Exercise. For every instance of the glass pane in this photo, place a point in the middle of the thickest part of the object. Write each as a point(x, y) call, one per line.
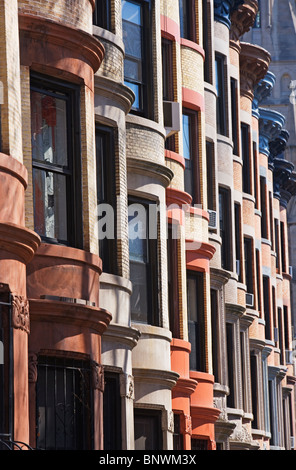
point(131, 12)
point(50, 204)
point(186, 137)
point(139, 299)
point(49, 129)
point(137, 225)
point(133, 70)
point(137, 90)
point(192, 300)
point(132, 38)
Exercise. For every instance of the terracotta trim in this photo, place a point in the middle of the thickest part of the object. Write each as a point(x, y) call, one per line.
point(193, 45)
point(69, 253)
point(186, 386)
point(19, 241)
point(208, 414)
point(176, 196)
point(12, 166)
point(198, 255)
point(180, 344)
point(169, 28)
point(174, 156)
point(201, 212)
point(46, 43)
point(193, 100)
point(57, 312)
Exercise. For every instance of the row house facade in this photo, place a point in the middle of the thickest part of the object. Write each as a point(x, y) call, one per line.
point(144, 267)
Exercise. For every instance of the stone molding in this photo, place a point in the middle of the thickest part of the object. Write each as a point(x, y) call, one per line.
point(242, 19)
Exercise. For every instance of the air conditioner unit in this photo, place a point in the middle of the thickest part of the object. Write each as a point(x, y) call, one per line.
point(249, 300)
point(171, 116)
point(292, 442)
point(212, 219)
point(276, 334)
point(237, 267)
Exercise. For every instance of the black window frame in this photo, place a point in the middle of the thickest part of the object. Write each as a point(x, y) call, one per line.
point(192, 165)
point(173, 280)
point(234, 115)
point(211, 181)
point(152, 266)
point(238, 240)
point(112, 411)
point(146, 84)
point(102, 14)
point(43, 85)
point(267, 307)
point(246, 157)
point(221, 88)
point(107, 245)
point(249, 271)
point(154, 416)
point(167, 54)
point(51, 363)
point(225, 228)
point(188, 20)
point(263, 199)
point(196, 329)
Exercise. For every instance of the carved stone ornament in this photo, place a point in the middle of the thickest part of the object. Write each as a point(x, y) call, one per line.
point(32, 369)
point(188, 424)
point(127, 388)
point(98, 376)
point(242, 435)
point(20, 313)
point(168, 420)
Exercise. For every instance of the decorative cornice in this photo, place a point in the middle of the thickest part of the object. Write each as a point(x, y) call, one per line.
point(45, 30)
point(155, 170)
point(270, 125)
point(262, 90)
point(254, 63)
point(19, 241)
point(223, 10)
point(242, 19)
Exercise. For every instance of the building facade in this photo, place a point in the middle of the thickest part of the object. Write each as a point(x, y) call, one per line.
point(144, 266)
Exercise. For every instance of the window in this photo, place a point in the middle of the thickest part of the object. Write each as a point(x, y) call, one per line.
point(187, 19)
point(135, 24)
point(281, 343)
point(210, 175)
point(6, 367)
point(254, 389)
point(225, 228)
point(190, 153)
point(196, 327)
point(283, 248)
point(248, 251)
point(148, 435)
point(221, 95)
point(255, 159)
point(56, 161)
point(238, 256)
point(230, 365)
point(177, 436)
point(102, 14)
point(246, 157)
point(263, 197)
point(258, 274)
point(173, 288)
point(143, 229)
point(215, 333)
point(277, 243)
point(234, 115)
point(267, 311)
point(106, 197)
point(112, 412)
point(64, 404)
point(167, 69)
point(199, 444)
point(271, 227)
point(206, 42)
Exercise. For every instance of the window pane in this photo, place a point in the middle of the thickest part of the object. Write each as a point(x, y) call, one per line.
point(50, 203)
point(49, 129)
point(186, 137)
point(131, 12)
point(133, 70)
point(139, 298)
point(132, 36)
